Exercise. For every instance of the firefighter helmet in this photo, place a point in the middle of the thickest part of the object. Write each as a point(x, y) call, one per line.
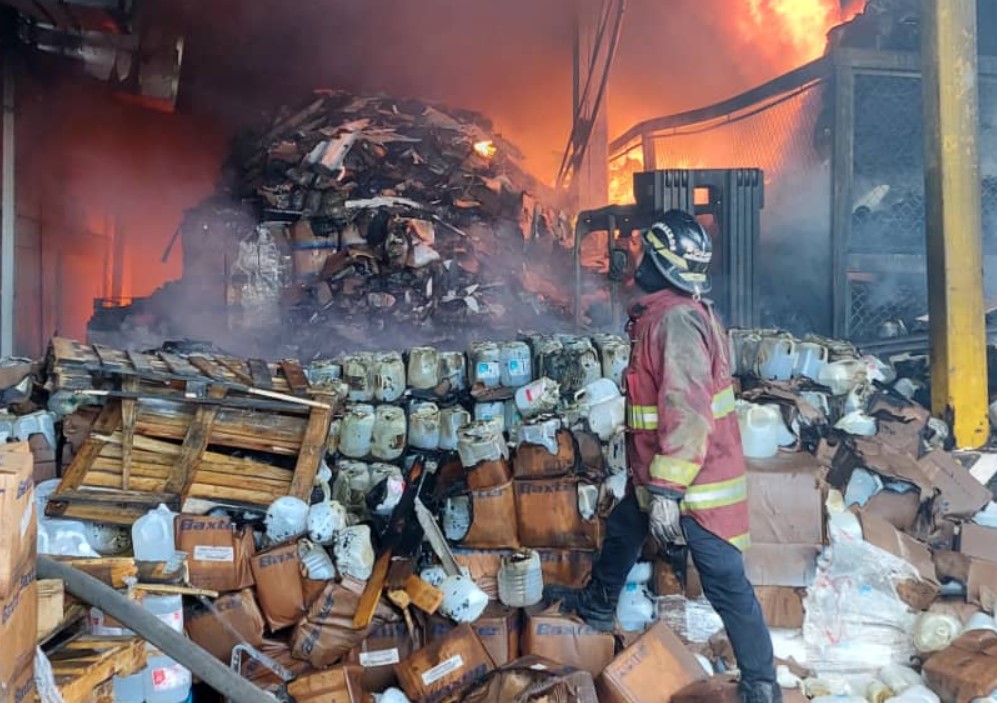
point(681, 251)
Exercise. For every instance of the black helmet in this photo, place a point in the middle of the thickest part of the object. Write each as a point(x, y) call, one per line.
point(681, 251)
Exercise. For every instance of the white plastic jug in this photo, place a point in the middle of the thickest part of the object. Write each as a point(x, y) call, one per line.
point(811, 358)
point(980, 621)
point(317, 562)
point(424, 426)
point(286, 517)
point(463, 601)
point(391, 695)
point(640, 573)
point(390, 429)
point(540, 396)
point(165, 681)
point(481, 441)
point(520, 579)
point(582, 364)
point(494, 411)
point(776, 358)
point(934, 632)
point(457, 518)
point(354, 552)
point(389, 377)
point(486, 367)
point(842, 376)
point(515, 364)
point(615, 452)
point(744, 358)
point(606, 418)
point(759, 430)
point(358, 373)
point(614, 355)
point(423, 368)
point(325, 520)
point(634, 609)
point(541, 431)
point(597, 392)
point(357, 431)
point(453, 367)
point(153, 535)
point(451, 420)
point(545, 351)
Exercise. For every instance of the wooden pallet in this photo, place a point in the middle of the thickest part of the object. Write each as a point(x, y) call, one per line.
point(163, 435)
point(83, 664)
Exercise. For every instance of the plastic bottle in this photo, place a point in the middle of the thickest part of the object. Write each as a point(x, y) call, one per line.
point(286, 517)
point(635, 609)
point(486, 368)
point(490, 411)
point(453, 368)
point(357, 431)
point(424, 426)
point(538, 397)
point(389, 377)
point(152, 535)
point(934, 632)
point(165, 681)
point(515, 364)
point(759, 430)
point(423, 367)
point(520, 579)
point(388, 435)
point(358, 373)
point(451, 420)
point(463, 601)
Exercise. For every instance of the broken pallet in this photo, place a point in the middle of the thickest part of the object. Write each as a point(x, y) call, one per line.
point(81, 665)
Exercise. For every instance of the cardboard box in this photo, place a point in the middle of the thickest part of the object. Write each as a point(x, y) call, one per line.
point(493, 523)
point(339, 685)
point(723, 689)
point(484, 565)
point(217, 556)
point(898, 509)
point(918, 594)
point(40, 448)
point(566, 567)
point(20, 687)
point(534, 461)
point(326, 634)
point(651, 670)
point(786, 500)
point(280, 651)
point(981, 584)
point(966, 670)
point(539, 679)
point(279, 585)
point(499, 629)
point(385, 646)
point(782, 606)
point(51, 603)
point(665, 582)
point(489, 474)
point(548, 517)
point(17, 514)
point(212, 629)
point(793, 565)
point(566, 639)
point(19, 624)
point(978, 542)
point(442, 670)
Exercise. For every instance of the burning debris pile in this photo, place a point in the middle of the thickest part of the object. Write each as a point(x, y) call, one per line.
point(376, 219)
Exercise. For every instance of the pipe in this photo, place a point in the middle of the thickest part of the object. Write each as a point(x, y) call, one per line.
point(8, 203)
point(174, 645)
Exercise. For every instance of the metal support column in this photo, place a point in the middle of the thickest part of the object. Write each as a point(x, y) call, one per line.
point(952, 180)
point(7, 213)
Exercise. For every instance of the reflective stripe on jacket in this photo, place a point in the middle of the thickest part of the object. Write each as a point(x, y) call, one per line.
point(684, 440)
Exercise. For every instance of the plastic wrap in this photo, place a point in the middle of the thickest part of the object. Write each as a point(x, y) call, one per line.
point(693, 620)
point(855, 623)
point(259, 275)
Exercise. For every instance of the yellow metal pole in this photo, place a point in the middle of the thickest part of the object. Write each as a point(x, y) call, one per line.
point(953, 217)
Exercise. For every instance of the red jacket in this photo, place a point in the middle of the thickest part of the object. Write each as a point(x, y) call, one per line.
point(683, 438)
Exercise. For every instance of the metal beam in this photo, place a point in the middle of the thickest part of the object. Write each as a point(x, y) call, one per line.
point(7, 212)
point(952, 189)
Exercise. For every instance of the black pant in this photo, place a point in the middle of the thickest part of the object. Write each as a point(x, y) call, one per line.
point(721, 570)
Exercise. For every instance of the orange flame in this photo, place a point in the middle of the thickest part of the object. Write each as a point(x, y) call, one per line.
point(794, 28)
point(485, 149)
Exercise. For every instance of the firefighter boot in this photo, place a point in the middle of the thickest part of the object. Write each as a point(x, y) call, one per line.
point(594, 604)
point(761, 692)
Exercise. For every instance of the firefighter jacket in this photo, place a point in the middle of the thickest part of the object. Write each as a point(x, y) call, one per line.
point(683, 439)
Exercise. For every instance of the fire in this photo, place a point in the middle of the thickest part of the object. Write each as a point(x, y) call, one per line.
point(485, 149)
point(797, 28)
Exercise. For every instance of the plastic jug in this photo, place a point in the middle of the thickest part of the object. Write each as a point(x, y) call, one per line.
point(580, 364)
point(520, 579)
point(451, 420)
point(934, 632)
point(317, 562)
point(614, 355)
point(811, 358)
point(588, 501)
point(980, 621)
point(899, 678)
point(513, 419)
point(423, 368)
point(862, 486)
point(286, 517)
point(357, 431)
point(606, 408)
point(486, 367)
point(358, 373)
point(494, 411)
point(634, 609)
point(546, 352)
point(390, 429)
point(597, 392)
point(615, 452)
point(540, 396)
point(640, 573)
point(776, 358)
point(325, 520)
point(165, 681)
point(515, 364)
point(481, 441)
point(463, 601)
point(391, 695)
point(541, 431)
point(389, 377)
point(153, 535)
point(457, 517)
point(745, 345)
point(842, 376)
point(759, 430)
point(424, 426)
point(354, 552)
point(453, 368)
point(108, 540)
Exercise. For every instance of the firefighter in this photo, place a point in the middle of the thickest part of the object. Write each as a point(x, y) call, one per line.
point(687, 470)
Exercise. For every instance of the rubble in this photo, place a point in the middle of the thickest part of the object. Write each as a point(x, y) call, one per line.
point(411, 567)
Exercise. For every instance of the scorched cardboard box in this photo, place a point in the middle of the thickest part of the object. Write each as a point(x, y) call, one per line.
point(212, 629)
point(651, 670)
point(217, 556)
point(19, 688)
point(966, 670)
point(385, 646)
point(339, 685)
point(17, 514)
point(978, 541)
point(566, 639)
point(498, 628)
point(442, 670)
point(18, 624)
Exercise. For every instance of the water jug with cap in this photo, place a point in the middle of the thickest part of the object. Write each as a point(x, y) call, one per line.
point(390, 429)
point(604, 407)
point(810, 359)
point(759, 430)
point(614, 355)
point(357, 431)
point(358, 373)
point(424, 426)
point(776, 358)
point(153, 535)
point(453, 368)
point(515, 364)
point(494, 411)
point(451, 420)
point(389, 377)
point(541, 431)
point(841, 377)
point(423, 368)
point(540, 396)
point(485, 364)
